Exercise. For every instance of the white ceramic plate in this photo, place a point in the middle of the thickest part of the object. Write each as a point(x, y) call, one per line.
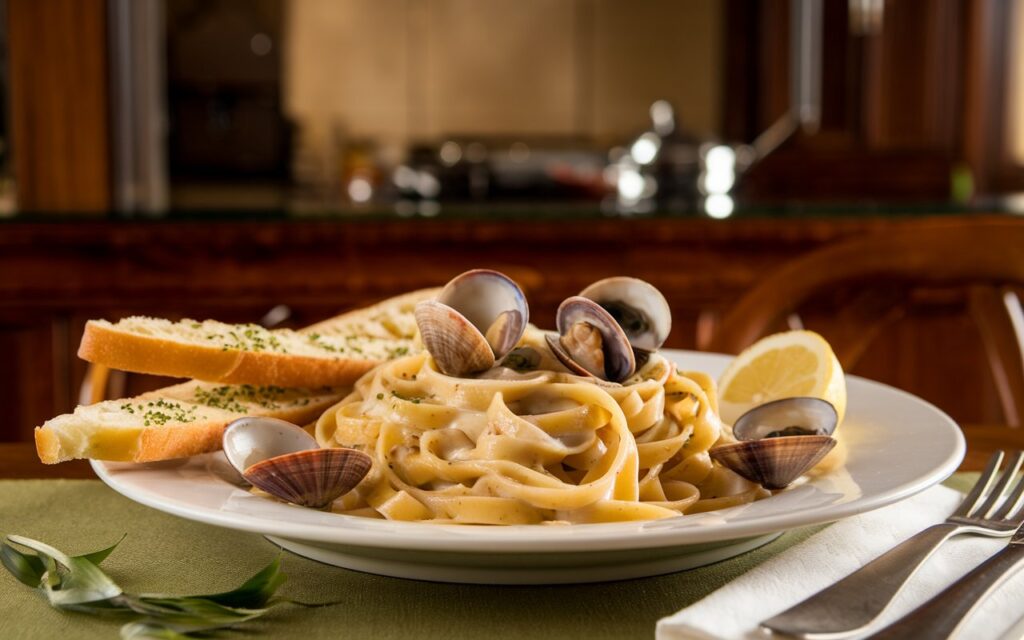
point(898, 445)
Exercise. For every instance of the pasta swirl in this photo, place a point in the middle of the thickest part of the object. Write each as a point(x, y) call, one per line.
point(538, 447)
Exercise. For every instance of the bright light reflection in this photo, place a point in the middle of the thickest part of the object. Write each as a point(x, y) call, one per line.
point(427, 185)
point(450, 153)
point(360, 190)
point(645, 149)
point(720, 158)
point(631, 184)
point(718, 181)
point(719, 170)
point(718, 205)
point(663, 117)
point(404, 177)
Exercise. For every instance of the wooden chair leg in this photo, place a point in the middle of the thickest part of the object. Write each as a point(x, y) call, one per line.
point(996, 313)
point(94, 386)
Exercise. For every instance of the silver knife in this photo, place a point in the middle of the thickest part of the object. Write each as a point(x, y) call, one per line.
point(943, 615)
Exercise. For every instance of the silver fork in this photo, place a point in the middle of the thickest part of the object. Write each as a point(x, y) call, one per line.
point(850, 605)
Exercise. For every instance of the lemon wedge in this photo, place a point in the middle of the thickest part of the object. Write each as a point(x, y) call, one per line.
point(783, 365)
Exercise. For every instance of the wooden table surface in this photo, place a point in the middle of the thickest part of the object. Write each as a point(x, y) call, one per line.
point(18, 459)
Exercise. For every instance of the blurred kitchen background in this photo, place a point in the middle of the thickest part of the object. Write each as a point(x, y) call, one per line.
point(707, 107)
point(234, 158)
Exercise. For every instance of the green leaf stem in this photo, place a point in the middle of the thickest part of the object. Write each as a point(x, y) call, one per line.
point(76, 583)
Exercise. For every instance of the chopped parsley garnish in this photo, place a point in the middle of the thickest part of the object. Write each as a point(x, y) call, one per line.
point(160, 412)
point(231, 397)
point(316, 340)
point(399, 351)
point(412, 399)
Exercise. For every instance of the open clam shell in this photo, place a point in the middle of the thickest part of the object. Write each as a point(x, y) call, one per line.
point(457, 346)
point(773, 462)
point(639, 308)
point(286, 462)
point(312, 478)
point(787, 417)
point(478, 317)
point(591, 341)
point(249, 440)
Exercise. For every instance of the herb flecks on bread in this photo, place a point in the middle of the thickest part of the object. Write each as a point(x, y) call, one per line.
point(238, 354)
point(290, 375)
point(173, 422)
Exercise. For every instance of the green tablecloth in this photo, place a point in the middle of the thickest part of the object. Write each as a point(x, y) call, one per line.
point(168, 554)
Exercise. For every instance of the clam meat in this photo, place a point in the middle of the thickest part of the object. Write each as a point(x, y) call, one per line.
point(590, 342)
point(611, 328)
point(639, 308)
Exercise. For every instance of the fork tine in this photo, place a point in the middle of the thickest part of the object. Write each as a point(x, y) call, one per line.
point(981, 486)
point(1009, 473)
point(1012, 503)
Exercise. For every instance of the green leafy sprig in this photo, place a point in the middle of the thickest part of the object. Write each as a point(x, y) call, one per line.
point(76, 583)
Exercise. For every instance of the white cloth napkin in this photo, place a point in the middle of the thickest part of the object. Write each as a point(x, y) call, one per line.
point(772, 587)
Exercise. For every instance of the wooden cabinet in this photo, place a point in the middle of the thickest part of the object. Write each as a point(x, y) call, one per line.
point(911, 91)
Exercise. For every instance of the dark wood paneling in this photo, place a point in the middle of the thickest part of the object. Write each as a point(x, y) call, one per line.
point(893, 112)
point(913, 77)
point(59, 106)
point(55, 276)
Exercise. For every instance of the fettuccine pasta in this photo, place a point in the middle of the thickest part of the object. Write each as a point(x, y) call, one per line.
point(541, 446)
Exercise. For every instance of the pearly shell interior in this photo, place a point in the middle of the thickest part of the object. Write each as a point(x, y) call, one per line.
point(493, 303)
point(247, 441)
point(639, 308)
point(788, 416)
point(477, 318)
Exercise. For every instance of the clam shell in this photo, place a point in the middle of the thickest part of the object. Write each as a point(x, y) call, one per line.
point(493, 303)
point(639, 308)
point(311, 478)
point(457, 346)
point(619, 361)
point(813, 416)
point(504, 333)
point(247, 441)
point(773, 462)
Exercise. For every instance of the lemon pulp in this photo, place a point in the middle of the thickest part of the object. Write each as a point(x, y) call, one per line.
point(783, 365)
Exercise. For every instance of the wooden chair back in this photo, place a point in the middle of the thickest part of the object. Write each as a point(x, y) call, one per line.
point(984, 259)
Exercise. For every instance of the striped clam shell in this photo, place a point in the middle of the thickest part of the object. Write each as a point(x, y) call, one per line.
point(478, 317)
point(773, 462)
point(456, 345)
point(311, 478)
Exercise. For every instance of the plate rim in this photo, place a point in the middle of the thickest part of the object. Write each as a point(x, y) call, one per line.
point(589, 537)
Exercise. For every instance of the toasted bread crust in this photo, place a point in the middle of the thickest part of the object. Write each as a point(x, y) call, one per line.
point(173, 441)
point(48, 446)
point(123, 350)
point(148, 354)
point(107, 345)
point(181, 441)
